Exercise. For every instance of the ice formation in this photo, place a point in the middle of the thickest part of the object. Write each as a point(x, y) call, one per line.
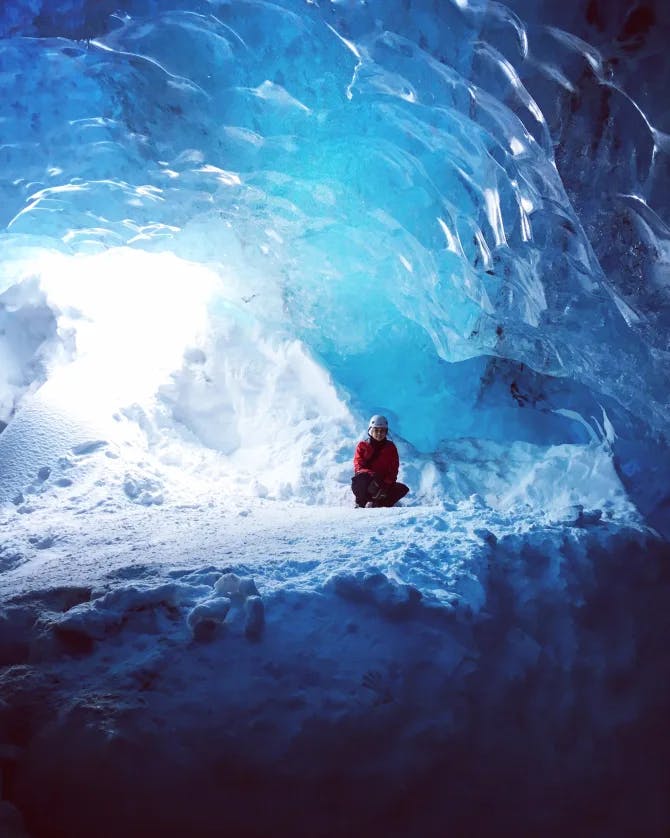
point(231, 230)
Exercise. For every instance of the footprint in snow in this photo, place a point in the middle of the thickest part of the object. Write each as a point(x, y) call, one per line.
point(88, 447)
point(143, 491)
point(44, 542)
point(9, 560)
point(43, 474)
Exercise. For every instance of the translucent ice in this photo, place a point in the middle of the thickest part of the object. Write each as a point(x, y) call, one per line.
point(466, 193)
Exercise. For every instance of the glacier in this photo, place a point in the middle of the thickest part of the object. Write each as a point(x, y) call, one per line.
point(233, 229)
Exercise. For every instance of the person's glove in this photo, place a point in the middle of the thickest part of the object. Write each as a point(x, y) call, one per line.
point(376, 491)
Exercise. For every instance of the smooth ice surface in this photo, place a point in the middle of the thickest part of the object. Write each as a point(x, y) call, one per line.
point(229, 232)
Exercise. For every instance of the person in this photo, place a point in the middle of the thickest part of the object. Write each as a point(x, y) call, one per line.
point(376, 466)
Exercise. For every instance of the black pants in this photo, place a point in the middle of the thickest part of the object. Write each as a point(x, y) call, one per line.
point(360, 485)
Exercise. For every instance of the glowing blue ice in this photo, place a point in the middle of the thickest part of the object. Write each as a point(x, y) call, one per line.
point(382, 170)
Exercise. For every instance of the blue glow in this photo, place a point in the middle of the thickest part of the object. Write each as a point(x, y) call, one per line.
point(231, 230)
point(387, 174)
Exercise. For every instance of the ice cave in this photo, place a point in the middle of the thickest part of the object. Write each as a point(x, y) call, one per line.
point(230, 232)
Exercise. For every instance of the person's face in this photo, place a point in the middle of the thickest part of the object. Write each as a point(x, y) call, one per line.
point(378, 433)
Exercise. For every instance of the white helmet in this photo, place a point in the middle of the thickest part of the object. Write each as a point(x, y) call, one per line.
point(377, 421)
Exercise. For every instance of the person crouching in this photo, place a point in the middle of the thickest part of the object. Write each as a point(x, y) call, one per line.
point(376, 464)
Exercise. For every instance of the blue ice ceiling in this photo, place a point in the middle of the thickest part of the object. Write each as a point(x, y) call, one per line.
point(462, 204)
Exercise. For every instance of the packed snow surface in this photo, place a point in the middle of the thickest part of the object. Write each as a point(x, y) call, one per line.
point(190, 652)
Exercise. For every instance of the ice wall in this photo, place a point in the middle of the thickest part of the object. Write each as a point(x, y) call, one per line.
point(598, 72)
point(377, 181)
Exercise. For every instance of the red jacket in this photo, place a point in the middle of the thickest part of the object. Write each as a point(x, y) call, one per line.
point(384, 466)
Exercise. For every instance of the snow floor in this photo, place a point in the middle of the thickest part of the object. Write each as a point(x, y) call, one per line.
point(179, 662)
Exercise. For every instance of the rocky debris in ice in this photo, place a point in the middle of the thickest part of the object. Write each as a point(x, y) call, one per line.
point(393, 599)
